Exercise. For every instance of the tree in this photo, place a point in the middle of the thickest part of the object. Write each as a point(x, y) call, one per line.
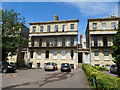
point(116, 48)
point(12, 37)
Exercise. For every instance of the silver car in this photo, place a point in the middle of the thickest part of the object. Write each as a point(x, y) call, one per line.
point(50, 66)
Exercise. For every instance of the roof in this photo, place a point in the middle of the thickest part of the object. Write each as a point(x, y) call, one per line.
point(102, 19)
point(58, 21)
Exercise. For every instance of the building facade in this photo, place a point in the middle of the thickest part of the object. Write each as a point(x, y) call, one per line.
point(21, 52)
point(53, 41)
point(83, 52)
point(99, 38)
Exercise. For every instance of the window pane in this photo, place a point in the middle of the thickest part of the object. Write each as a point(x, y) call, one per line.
point(47, 42)
point(71, 54)
point(96, 53)
point(48, 28)
point(95, 41)
point(105, 41)
point(113, 25)
point(94, 26)
point(55, 41)
point(47, 54)
point(41, 28)
point(72, 41)
point(32, 43)
point(71, 26)
point(40, 42)
point(56, 28)
point(106, 53)
point(63, 41)
point(54, 54)
point(34, 28)
point(63, 54)
point(31, 54)
point(63, 28)
point(103, 26)
point(39, 54)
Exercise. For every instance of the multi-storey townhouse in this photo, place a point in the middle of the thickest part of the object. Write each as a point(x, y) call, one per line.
point(53, 41)
point(99, 38)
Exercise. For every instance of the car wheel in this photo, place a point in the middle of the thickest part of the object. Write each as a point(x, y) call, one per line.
point(4, 70)
point(61, 70)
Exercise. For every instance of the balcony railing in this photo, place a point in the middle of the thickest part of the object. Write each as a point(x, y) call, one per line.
point(99, 45)
point(53, 45)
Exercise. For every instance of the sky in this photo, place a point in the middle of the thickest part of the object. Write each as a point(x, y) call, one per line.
point(44, 11)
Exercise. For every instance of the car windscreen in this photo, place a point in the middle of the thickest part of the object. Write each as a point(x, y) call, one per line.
point(5, 63)
point(65, 64)
point(49, 63)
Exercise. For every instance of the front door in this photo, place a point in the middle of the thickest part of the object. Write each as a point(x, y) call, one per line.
point(79, 57)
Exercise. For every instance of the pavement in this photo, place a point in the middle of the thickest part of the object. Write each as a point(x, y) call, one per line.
point(38, 78)
point(110, 74)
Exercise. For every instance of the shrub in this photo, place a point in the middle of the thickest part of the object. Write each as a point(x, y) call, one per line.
point(100, 68)
point(100, 80)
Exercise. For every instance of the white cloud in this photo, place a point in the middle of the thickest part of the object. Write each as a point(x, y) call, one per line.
point(95, 8)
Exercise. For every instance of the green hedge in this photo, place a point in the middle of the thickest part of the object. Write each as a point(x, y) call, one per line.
point(100, 80)
point(101, 68)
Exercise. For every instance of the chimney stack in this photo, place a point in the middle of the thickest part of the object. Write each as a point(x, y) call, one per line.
point(81, 37)
point(56, 18)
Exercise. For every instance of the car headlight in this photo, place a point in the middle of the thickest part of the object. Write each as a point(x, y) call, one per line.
point(9, 66)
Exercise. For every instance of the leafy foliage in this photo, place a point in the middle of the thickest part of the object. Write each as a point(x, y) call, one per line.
point(116, 45)
point(12, 37)
point(116, 48)
point(99, 80)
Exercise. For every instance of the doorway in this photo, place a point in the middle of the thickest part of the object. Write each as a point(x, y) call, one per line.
point(80, 57)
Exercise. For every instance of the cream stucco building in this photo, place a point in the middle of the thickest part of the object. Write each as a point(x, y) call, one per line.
point(99, 38)
point(53, 41)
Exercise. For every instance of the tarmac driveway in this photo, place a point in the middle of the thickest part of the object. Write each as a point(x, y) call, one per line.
point(38, 78)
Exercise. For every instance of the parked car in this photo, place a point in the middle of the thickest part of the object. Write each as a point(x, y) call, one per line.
point(50, 66)
point(6, 67)
point(113, 69)
point(65, 67)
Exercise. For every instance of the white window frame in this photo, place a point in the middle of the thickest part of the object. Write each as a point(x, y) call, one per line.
point(94, 26)
point(64, 28)
point(73, 27)
point(106, 57)
point(55, 54)
point(103, 26)
point(34, 29)
point(39, 55)
point(63, 54)
point(96, 57)
point(48, 28)
point(113, 23)
point(56, 28)
point(41, 28)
